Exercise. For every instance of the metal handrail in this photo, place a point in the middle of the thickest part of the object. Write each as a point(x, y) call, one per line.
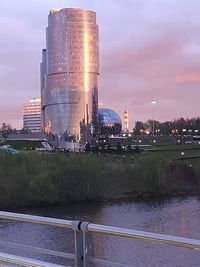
point(103, 229)
point(81, 229)
point(147, 236)
point(36, 219)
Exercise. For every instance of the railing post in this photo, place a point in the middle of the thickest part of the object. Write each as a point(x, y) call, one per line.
point(87, 246)
point(83, 245)
point(78, 239)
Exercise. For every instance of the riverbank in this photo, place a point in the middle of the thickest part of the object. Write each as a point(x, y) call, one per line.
point(32, 179)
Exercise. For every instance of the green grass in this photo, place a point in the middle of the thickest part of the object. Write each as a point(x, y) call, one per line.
point(175, 147)
point(22, 144)
point(172, 151)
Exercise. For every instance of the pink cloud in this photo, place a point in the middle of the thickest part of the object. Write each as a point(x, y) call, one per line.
point(188, 78)
point(161, 70)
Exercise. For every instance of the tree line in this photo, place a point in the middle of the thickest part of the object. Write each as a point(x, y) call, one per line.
point(30, 179)
point(178, 126)
point(7, 129)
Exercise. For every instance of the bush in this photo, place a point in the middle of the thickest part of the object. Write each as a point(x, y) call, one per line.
point(34, 179)
point(42, 190)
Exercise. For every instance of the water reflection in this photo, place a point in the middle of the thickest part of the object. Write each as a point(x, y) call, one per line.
point(177, 216)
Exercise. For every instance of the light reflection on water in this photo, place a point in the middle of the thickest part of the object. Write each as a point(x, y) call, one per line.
point(176, 216)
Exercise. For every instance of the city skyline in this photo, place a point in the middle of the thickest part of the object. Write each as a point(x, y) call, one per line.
point(148, 51)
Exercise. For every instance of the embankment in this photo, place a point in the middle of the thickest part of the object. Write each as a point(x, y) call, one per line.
point(29, 179)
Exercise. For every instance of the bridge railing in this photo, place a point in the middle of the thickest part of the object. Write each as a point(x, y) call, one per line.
point(83, 256)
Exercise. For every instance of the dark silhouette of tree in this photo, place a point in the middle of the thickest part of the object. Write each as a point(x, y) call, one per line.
point(108, 149)
point(6, 129)
point(139, 126)
point(129, 148)
point(24, 131)
point(87, 148)
point(137, 149)
point(119, 147)
point(178, 126)
point(96, 148)
point(103, 150)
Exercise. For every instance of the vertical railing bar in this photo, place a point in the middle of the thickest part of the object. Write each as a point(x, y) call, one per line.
point(78, 239)
point(87, 246)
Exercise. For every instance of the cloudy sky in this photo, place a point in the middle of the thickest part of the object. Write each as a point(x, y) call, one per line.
point(149, 50)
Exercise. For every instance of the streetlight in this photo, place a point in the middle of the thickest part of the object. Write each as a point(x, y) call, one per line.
point(153, 103)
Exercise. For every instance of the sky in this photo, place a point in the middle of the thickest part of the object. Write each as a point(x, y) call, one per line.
point(149, 51)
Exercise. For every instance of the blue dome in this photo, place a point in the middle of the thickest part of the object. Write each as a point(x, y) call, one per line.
point(109, 121)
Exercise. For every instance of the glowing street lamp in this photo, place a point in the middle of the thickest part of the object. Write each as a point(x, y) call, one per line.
point(182, 154)
point(153, 103)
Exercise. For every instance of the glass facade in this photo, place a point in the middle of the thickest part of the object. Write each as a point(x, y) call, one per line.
point(32, 115)
point(109, 121)
point(69, 72)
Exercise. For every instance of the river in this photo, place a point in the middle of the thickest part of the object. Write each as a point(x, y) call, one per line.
point(174, 216)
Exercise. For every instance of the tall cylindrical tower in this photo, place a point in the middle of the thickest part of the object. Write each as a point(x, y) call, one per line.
point(70, 79)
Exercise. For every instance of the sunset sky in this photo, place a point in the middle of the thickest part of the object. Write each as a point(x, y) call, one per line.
point(149, 50)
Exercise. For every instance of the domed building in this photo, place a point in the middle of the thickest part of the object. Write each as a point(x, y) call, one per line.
point(109, 121)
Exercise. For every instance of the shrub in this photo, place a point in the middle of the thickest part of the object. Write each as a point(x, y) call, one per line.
point(42, 190)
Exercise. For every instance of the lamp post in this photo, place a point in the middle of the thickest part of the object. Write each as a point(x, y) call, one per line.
point(153, 103)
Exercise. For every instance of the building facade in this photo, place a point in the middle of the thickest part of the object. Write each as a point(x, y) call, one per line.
point(109, 122)
point(32, 115)
point(69, 72)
